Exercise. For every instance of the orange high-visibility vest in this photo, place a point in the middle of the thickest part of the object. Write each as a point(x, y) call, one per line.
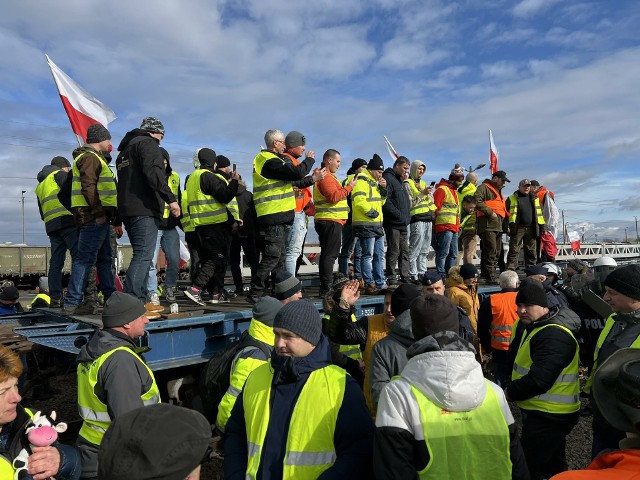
point(497, 204)
point(504, 313)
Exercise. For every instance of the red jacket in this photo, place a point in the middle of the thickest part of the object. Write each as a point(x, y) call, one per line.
point(438, 199)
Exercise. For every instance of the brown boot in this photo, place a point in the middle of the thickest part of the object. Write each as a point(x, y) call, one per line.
point(371, 289)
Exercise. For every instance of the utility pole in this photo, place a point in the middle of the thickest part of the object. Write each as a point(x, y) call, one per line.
point(637, 237)
point(564, 230)
point(626, 239)
point(23, 236)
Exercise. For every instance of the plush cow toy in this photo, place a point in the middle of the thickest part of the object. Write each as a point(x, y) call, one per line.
point(42, 431)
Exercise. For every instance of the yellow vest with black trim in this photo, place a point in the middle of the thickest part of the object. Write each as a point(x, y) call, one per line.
point(426, 203)
point(174, 184)
point(563, 396)
point(43, 296)
point(185, 221)
point(240, 370)
point(513, 209)
point(467, 190)
point(351, 351)
point(448, 213)
point(47, 193)
point(270, 196)
point(309, 446)
point(482, 434)
point(6, 466)
point(364, 197)
point(96, 419)
point(204, 209)
point(603, 336)
point(106, 186)
point(325, 210)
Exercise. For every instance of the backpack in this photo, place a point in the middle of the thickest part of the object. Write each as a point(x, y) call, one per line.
point(216, 375)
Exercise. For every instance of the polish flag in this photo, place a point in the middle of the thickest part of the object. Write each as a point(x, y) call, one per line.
point(574, 238)
point(392, 151)
point(493, 154)
point(184, 254)
point(82, 108)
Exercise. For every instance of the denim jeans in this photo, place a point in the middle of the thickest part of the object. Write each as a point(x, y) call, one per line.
point(143, 235)
point(295, 241)
point(419, 243)
point(170, 241)
point(373, 261)
point(94, 248)
point(446, 247)
point(350, 246)
point(61, 241)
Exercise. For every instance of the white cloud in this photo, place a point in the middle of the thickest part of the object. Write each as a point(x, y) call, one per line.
point(527, 8)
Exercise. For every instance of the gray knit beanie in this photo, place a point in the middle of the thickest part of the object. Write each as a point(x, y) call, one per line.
point(97, 133)
point(266, 309)
point(302, 318)
point(286, 285)
point(121, 308)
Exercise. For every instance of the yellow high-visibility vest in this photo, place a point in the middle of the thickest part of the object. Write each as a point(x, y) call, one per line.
point(326, 210)
point(47, 193)
point(426, 203)
point(106, 186)
point(513, 209)
point(174, 184)
point(270, 196)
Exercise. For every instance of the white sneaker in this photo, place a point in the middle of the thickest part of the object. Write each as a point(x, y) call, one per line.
point(154, 299)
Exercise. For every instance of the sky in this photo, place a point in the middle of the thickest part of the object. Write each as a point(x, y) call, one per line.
point(555, 80)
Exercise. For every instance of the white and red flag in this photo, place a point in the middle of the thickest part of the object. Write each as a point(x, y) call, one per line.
point(82, 108)
point(574, 238)
point(392, 151)
point(493, 154)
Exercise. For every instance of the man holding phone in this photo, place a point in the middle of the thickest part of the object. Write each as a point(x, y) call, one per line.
point(421, 223)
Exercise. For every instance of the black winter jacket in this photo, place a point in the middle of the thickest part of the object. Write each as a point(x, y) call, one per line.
point(171, 222)
point(142, 182)
point(247, 210)
point(396, 211)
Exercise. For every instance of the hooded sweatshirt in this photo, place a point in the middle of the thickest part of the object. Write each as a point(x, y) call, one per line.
point(63, 179)
point(389, 355)
point(142, 181)
point(455, 383)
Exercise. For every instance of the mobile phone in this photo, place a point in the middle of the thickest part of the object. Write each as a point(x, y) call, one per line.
point(432, 184)
point(321, 165)
point(234, 167)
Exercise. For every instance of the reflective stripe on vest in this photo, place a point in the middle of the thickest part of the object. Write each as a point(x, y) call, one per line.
point(270, 196)
point(309, 446)
point(426, 202)
point(513, 209)
point(106, 186)
point(94, 413)
point(482, 434)
point(601, 339)
point(468, 190)
point(325, 210)
point(204, 209)
point(240, 370)
point(185, 221)
point(351, 351)
point(469, 223)
point(563, 396)
point(496, 204)
point(47, 193)
point(174, 184)
point(364, 197)
point(504, 314)
point(448, 213)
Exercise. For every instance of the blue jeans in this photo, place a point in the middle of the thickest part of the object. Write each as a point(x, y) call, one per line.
point(295, 241)
point(94, 248)
point(61, 241)
point(349, 245)
point(419, 244)
point(143, 235)
point(446, 247)
point(373, 268)
point(170, 241)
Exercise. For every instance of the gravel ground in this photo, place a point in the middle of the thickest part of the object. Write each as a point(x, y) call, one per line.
point(64, 402)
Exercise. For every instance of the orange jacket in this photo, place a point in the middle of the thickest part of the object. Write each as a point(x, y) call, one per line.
point(304, 195)
point(541, 193)
point(504, 314)
point(497, 204)
point(618, 465)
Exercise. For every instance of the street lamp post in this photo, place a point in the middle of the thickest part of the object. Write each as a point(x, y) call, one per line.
point(626, 239)
point(637, 237)
point(23, 236)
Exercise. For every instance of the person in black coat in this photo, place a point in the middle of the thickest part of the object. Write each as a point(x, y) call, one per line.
point(396, 215)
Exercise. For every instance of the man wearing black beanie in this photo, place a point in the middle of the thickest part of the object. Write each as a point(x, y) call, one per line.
point(621, 330)
point(113, 378)
point(544, 381)
point(299, 406)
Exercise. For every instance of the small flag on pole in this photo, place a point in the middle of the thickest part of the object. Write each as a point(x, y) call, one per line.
point(493, 154)
point(82, 108)
point(574, 238)
point(392, 151)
